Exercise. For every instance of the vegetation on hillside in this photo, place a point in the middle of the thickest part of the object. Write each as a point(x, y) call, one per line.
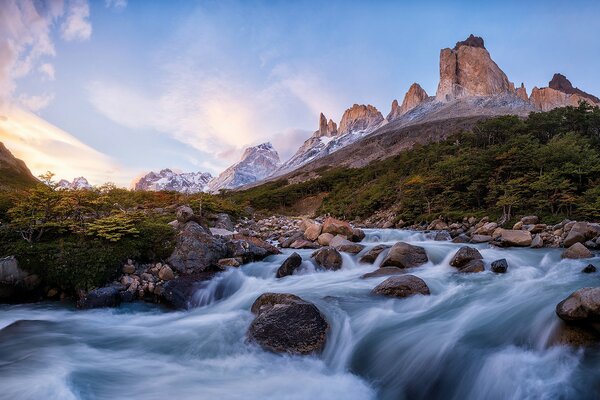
point(547, 164)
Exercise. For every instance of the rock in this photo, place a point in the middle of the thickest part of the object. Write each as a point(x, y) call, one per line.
point(486, 229)
point(442, 236)
point(473, 266)
point(103, 297)
point(196, 249)
point(561, 83)
point(579, 232)
point(415, 96)
point(371, 255)
point(294, 236)
point(583, 305)
point(313, 230)
point(337, 227)
point(522, 92)
point(223, 221)
point(16, 284)
point(128, 269)
point(384, 271)
point(179, 292)
point(340, 243)
point(464, 255)
point(546, 99)
point(518, 226)
point(462, 238)
point(324, 239)
point(184, 214)
point(288, 267)
point(147, 277)
point(304, 244)
point(573, 237)
point(530, 220)
point(357, 235)
point(360, 118)
point(518, 238)
point(589, 269)
point(537, 242)
point(574, 335)
point(402, 286)
point(328, 258)
point(221, 232)
point(577, 251)
point(232, 262)
point(258, 242)
point(500, 266)
point(468, 70)
point(288, 324)
point(480, 239)
point(404, 255)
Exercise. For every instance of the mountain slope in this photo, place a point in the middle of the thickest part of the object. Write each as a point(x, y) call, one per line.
point(166, 179)
point(14, 174)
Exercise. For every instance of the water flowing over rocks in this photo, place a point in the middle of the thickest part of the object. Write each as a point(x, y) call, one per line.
point(288, 267)
point(285, 323)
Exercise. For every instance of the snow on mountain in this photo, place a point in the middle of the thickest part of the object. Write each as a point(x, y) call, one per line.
point(166, 179)
point(257, 162)
point(77, 184)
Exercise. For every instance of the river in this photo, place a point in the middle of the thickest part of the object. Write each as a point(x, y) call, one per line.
point(478, 336)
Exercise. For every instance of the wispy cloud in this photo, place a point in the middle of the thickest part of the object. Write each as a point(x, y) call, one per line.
point(47, 70)
point(77, 24)
point(116, 4)
point(36, 102)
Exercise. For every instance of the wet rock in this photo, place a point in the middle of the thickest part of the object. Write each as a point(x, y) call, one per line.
point(294, 236)
point(357, 235)
point(16, 284)
point(462, 238)
point(288, 324)
point(576, 251)
point(442, 236)
point(404, 255)
point(575, 335)
point(231, 262)
point(288, 267)
point(384, 271)
point(103, 297)
point(499, 266)
point(589, 269)
point(328, 258)
point(371, 255)
point(464, 255)
point(179, 292)
point(196, 249)
point(402, 286)
point(337, 227)
point(583, 305)
point(340, 243)
point(473, 266)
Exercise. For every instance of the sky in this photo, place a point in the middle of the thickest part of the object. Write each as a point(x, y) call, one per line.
point(111, 89)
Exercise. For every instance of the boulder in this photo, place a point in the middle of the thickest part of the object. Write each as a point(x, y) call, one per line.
point(357, 235)
point(230, 262)
point(16, 284)
point(179, 293)
point(166, 273)
point(480, 239)
point(196, 249)
point(288, 267)
point(293, 236)
point(530, 220)
point(304, 244)
point(512, 237)
point(371, 255)
point(473, 266)
point(337, 227)
point(442, 236)
point(328, 258)
point(109, 296)
point(404, 255)
point(268, 247)
point(221, 232)
point(340, 243)
point(589, 269)
point(464, 255)
point(313, 230)
point(537, 242)
point(324, 239)
point(288, 324)
point(462, 238)
point(401, 286)
point(583, 305)
point(577, 251)
point(500, 266)
point(384, 271)
point(486, 229)
point(184, 214)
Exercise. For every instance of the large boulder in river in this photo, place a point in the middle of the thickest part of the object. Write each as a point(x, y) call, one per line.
point(384, 271)
point(577, 251)
point(324, 239)
point(464, 255)
point(404, 255)
point(109, 296)
point(196, 250)
point(337, 227)
point(499, 266)
point(179, 293)
point(402, 286)
point(288, 267)
point(313, 230)
point(328, 258)
point(517, 238)
point(583, 305)
point(340, 243)
point(371, 255)
point(285, 323)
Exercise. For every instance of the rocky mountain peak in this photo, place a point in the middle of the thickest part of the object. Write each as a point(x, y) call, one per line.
point(468, 71)
point(415, 96)
point(522, 92)
point(166, 179)
point(561, 83)
point(360, 117)
point(472, 41)
point(79, 183)
point(331, 128)
point(326, 128)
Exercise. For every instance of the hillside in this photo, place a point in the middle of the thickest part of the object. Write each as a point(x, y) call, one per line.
point(14, 174)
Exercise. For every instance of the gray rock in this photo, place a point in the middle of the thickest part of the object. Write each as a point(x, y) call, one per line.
point(480, 239)
point(371, 255)
point(384, 271)
point(583, 305)
point(473, 266)
point(109, 296)
point(576, 251)
point(500, 266)
point(537, 242)
point(464, 255)
point(196, 249)
point(288, 267)
point(402, 286)
point(328, 258)
point(184, 214)
point(404, 255)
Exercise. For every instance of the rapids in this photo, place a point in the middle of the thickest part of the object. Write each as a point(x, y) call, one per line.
point(478, 336)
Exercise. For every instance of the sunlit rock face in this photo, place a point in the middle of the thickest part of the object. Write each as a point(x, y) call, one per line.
point(415, 96)
point(257, 162)
point(166, 179)
point(560, 93)
point(468, 70)
point(360, 117)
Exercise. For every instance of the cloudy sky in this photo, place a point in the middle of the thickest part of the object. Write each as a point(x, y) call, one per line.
point(111, 89)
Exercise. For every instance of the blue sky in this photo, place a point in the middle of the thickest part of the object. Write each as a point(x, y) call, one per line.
point(188, 85)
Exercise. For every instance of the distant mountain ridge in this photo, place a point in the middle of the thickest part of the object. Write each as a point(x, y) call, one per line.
point(166, 179)
point(14, 173)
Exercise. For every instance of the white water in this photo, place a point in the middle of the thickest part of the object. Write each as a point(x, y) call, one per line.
point(478, 336)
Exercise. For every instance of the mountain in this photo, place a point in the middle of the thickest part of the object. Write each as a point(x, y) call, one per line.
point(166, 179)
point(415, 96)
point(559, 93)
point(357, 122)
point(77, 184)
point(14, 174)
point(257, 163)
